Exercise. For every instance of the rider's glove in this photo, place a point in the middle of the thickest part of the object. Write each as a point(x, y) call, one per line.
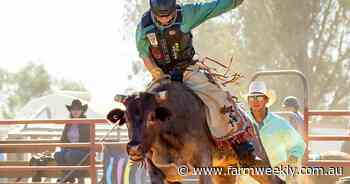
point(156, 73)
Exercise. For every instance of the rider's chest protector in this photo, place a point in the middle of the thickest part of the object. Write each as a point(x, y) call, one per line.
point(169, 47)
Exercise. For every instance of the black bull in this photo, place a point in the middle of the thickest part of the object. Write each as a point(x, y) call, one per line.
point(168, 129)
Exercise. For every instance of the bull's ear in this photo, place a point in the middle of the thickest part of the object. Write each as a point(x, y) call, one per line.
point(163, 113)
point(115, 115)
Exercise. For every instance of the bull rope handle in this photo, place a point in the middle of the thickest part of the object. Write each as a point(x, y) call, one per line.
point(87, 155)
point(224, 78)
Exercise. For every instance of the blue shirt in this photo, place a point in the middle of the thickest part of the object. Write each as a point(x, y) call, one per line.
point(279, 139)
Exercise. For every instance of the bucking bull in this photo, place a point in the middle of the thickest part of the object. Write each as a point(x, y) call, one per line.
point(168, 130)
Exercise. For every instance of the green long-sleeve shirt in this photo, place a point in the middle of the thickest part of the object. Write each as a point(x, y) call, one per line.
point(192, 16)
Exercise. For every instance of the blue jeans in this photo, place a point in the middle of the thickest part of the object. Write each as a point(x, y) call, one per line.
point(70, 157)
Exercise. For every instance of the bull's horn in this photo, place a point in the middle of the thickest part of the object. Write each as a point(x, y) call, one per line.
point(161, 96)
point(119, 98)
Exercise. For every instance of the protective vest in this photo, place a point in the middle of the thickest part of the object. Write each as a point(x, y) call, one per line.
point(170, 48)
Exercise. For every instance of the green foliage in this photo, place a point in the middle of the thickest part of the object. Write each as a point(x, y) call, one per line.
point(29, 82)
point(64, 84)
point(309, 36)
point(3, 78)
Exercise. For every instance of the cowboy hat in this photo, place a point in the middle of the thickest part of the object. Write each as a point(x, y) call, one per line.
point(77, 105)
point(258, 88)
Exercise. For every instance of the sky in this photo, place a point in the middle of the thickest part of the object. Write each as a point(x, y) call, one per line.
point(79, 40)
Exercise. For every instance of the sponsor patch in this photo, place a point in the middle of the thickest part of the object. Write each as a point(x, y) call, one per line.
point(152, 39)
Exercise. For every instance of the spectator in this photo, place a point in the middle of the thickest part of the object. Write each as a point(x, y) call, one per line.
point(291, 104)
point(281, 141)
point(73, 133)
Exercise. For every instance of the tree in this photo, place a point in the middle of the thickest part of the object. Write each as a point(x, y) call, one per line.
point(30, 82)
point(310, 36)
point(4, 75)
point(64, 84)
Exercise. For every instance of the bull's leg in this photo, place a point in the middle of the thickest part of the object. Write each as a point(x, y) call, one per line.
point(156, 175)
point(224, 179)
point(268, 179)
point(205, 180)
point(265, 179)
point(220, 175)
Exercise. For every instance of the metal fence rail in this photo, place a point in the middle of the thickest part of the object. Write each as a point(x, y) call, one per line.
point(91, 168)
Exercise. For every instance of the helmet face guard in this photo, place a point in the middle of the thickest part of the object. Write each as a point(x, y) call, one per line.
point(171, 21)
point(163, 8)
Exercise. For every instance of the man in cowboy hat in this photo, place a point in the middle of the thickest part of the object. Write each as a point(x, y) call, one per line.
point(282, 143)
point(74, 133)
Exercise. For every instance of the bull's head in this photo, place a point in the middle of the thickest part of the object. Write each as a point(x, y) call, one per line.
point(143, 116)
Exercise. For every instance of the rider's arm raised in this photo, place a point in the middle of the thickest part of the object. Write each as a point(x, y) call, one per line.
point(197, 13)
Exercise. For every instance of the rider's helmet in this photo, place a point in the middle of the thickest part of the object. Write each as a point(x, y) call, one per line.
point(163, 8)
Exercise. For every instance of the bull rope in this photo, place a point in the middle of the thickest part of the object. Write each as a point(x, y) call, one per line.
point(224, 78)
